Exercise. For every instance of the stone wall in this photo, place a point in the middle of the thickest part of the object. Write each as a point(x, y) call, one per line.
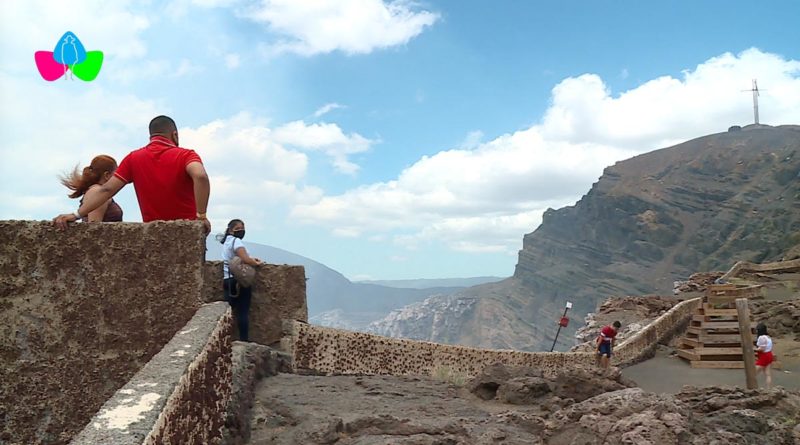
point(641, 345)
point(81, 311)
point(279, 293)
point(179, 397)
point(334, 351)
point(212, 281)
point(251, 362)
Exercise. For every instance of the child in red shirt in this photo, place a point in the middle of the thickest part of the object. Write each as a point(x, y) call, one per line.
point(605, 343)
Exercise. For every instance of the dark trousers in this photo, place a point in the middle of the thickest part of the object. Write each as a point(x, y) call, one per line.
point(239, 299)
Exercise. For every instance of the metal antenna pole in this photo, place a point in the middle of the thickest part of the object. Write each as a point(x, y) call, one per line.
point(755, 100)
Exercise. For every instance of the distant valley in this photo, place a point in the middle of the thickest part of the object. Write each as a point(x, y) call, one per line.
point(335, 301)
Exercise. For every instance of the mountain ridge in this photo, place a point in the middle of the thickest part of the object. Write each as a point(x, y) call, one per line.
point(334, 300)
point(648, 221)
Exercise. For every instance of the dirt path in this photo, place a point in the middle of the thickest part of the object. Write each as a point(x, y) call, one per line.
point(666, 373)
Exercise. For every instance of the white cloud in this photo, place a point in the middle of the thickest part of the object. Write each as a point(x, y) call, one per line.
point(111, 27)
point(82, 121)
point(328, 138)
point(472, 140)
point(484, 198)
point(667, 109)
point(346, 233)
point(185, 67)
point(327, 108)
point(351, 26)
point(245, 146)
point(151, 69)
point(232, 61)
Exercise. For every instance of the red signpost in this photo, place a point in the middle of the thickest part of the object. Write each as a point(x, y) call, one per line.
point(562, 323)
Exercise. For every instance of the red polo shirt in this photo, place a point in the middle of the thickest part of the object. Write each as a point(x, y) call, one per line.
point(608, 333)
point(158, 173)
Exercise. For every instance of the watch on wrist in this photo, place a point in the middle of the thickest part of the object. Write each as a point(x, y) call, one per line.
point(77, 216)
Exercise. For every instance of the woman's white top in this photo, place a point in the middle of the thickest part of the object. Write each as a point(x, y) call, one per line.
point(765, 343)
point(229, 248)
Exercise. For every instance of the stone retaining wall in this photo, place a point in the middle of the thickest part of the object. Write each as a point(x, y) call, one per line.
point(334, 351)
point(641, 345)
point(251, 362)
point(81, 311)
point(180, 396)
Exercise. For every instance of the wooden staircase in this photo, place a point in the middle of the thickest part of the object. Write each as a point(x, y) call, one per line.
point(712, 339)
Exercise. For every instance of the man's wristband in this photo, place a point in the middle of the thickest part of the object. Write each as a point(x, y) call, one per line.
point(77, 216)
point(201, 216)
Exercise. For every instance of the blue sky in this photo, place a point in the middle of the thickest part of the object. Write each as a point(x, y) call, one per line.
point(388, 140)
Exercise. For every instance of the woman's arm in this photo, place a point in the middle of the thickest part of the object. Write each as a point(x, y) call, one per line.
point(97, 214)
point(242, 253)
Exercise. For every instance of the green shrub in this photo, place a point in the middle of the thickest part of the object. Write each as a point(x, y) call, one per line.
point(447, 374)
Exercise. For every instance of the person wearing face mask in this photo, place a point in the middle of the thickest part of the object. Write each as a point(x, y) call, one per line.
point(86, 184)
point(170, 182)
point(236, 295)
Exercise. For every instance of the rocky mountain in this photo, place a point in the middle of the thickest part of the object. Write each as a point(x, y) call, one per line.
point(335, 301)
point(436, 317)
point(648, 221)
point(425, 283)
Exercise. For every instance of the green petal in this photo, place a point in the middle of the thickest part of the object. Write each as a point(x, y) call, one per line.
point(89, 68)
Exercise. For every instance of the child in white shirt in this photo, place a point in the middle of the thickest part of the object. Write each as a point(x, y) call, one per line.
point(764, 356)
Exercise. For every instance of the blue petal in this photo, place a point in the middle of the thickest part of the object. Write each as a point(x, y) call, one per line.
point(69, 49)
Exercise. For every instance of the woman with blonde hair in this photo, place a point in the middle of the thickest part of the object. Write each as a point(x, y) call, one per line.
point(88, 182)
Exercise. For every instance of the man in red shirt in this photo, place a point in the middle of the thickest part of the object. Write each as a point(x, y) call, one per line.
point(170, 182)
point(605, 343)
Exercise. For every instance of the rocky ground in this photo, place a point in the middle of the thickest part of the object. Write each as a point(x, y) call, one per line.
point(633, 312)
point(697, 282)
point(781, 317)
point(643, 404)
point(515, 406)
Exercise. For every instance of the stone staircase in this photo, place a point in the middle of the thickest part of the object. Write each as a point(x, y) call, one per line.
point(712, 339)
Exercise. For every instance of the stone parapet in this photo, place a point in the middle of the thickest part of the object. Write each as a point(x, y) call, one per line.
point(81, 311)
point(179, 397)
point(641, 345)
point(212, 282)
point(334, 351)
point(279, 293)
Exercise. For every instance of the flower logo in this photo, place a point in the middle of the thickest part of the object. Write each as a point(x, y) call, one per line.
point(69, 55)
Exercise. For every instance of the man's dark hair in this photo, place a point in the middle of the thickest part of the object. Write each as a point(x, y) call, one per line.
point(163, 125)
point(617, 324)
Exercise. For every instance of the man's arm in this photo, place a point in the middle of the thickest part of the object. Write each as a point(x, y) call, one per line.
point(202, 189)
point(91, 202)
point(99, 213)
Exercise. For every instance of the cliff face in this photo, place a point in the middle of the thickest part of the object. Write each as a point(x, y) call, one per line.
point(648, 221)
point(658, 217)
